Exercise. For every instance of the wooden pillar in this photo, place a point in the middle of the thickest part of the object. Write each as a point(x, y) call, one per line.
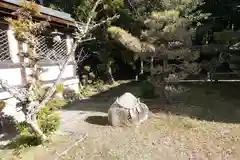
point(14, 49)
point(69, 43)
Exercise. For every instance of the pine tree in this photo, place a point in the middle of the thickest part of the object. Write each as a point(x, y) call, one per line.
point(169, 28)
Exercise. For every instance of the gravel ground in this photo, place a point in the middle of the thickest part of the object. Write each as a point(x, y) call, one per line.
point(207, 130)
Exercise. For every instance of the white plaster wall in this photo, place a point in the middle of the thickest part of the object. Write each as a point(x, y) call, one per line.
point(53, 72)
point(11, 110)
point(11, 102)
point(71, 83)
point(12, 75)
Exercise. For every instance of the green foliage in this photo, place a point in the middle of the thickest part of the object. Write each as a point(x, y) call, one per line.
point(23, 128)
point(114, 4)
point(87, 68)
point(27, 138)
point(85, 91)
point(125, 38)
point(146, 90)
point(166, 27)
point(151, 25)
point(82, 8)
point(42, 92)
point(24, 27)
point(48, 121)
point(56, 104)
point(55, 7)
point(96, 87)
point(115, 31)
point(25, 141)
point(60, 88)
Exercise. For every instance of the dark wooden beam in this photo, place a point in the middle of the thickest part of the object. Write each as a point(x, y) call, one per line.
point(12, 7)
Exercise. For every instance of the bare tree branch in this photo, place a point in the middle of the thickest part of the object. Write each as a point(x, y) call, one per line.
point(17, 93)
point(89, 39)
point(91, 15)
point(79, 56)
point(105, 21)
point(53, 88)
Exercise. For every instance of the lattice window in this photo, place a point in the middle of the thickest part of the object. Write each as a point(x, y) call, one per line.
point(51, 51)
point(4, 46)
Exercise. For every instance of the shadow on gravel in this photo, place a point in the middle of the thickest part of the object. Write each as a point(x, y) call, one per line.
point(97, 120)
point(218, 103)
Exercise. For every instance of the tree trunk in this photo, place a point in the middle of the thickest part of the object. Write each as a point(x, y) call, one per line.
point(210, 77)
point(164, 84)
point(136, 71)
point(151, 66)
point(32, 121)
point(110, 76)
point(141, 67)
point(80, 85)
point(33, 96)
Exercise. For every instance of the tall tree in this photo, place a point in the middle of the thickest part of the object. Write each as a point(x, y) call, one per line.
point(168, 31)
point(106, 49)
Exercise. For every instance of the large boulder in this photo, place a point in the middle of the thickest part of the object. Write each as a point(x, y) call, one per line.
point(127, 110)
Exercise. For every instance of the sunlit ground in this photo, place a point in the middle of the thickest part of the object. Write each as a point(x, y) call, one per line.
point(206, 125)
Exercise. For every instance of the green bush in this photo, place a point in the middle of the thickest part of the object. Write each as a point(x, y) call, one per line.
point(26, 139)
point(60, 88)
point(56, 104)
point(43, 91)
point(147, 89)
point(85, 91)
point(22, 142)
point(48, 120)
point(23, 128)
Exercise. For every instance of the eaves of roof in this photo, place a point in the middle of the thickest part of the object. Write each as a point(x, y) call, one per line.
point(47, 13)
